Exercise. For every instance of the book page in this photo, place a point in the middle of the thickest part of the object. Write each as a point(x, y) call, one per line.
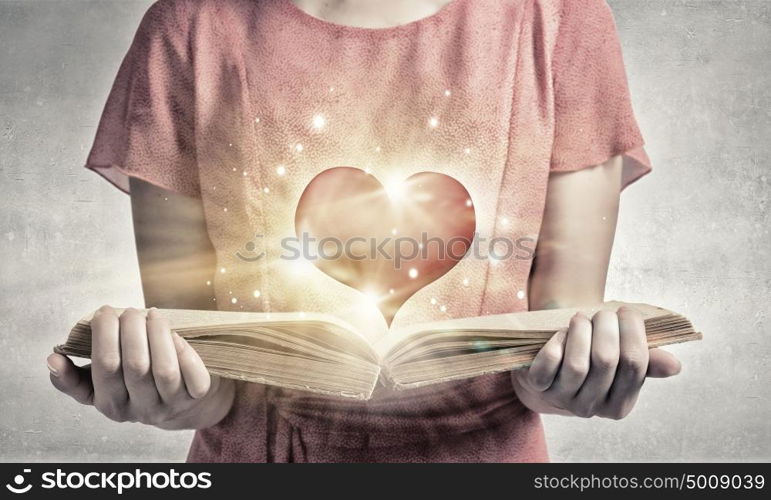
point(181, 319)
point(544, 320)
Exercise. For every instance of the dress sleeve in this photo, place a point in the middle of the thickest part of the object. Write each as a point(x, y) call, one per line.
point(147, 128)
point(594, 120)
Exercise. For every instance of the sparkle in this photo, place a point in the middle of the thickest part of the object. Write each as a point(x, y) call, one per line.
point(225, 209)
point(433, 301)
point(331, 89)
point(413, 273)
point(394, 231)
point(395, 189)
point(469, 202)
point(465, 282)
point(433, 122)
point(299, 147)
point(367, 170)
point(319, 122)
point(377, 149)
point(234, 169)
point(230, 145)
point(266, 190)
point(521, 294)
point(222, 270)
point(504, 221)
point(167, 199)
point(244, 173)
point(281, 170)
point(256, 294)
point(233, 300)
point(467, 151)
point(447, 93)
point(443, 308)
point(208, 283)
point(391, 291)
point(604, 218)
point(420, 246)
point(257, 120)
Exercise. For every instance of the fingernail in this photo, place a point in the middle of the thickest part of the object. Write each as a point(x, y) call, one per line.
point(51, 369)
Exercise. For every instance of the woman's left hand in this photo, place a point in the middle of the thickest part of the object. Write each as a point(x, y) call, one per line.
point(595, 367)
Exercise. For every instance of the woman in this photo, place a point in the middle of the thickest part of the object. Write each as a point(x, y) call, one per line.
point(222, 113)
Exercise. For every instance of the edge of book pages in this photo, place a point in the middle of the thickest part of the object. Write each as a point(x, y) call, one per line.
point(414, 375)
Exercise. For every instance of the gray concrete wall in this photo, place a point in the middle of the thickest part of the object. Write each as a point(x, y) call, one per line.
point(694, 235)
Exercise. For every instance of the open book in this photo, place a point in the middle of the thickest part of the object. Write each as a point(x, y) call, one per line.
point(322, 354)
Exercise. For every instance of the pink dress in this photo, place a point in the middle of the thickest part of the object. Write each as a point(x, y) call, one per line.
point(243, 102)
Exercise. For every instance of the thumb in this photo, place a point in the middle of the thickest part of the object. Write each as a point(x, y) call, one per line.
point(662, 364)
point(70, 379)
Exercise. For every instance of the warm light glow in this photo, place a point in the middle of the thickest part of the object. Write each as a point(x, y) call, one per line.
point(394, 231)
point(433, 122)
point(433, 301)
point(266, 190)
point(469, 202)
point(372, 296)
point(467, 150)
point(465, 282)
point(447, 93)
point(443, 308)
point(298, 147)
point(222, 270)
point(281, 170)
point(521, 294)
point(319, 122)
point(413, 273)
point(256, 294)
point(395, 189)
point(233, 300)
point(208, 283)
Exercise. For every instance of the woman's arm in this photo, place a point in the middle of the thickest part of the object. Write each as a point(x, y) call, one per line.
point(140, 370)
point(597, 365)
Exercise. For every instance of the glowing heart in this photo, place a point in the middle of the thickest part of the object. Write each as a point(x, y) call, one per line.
point(388, 242)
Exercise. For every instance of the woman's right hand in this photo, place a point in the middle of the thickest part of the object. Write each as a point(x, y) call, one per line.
point(141, 371)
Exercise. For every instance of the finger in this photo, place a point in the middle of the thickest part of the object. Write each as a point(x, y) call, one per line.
point(135, 353)
point(194, 373)
point(110, 394)
point(70, 379)
point(604, 361)
point(575, 364)
point(632, 363)
point(662, 364)
point(163, 357)
point(546, 364)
